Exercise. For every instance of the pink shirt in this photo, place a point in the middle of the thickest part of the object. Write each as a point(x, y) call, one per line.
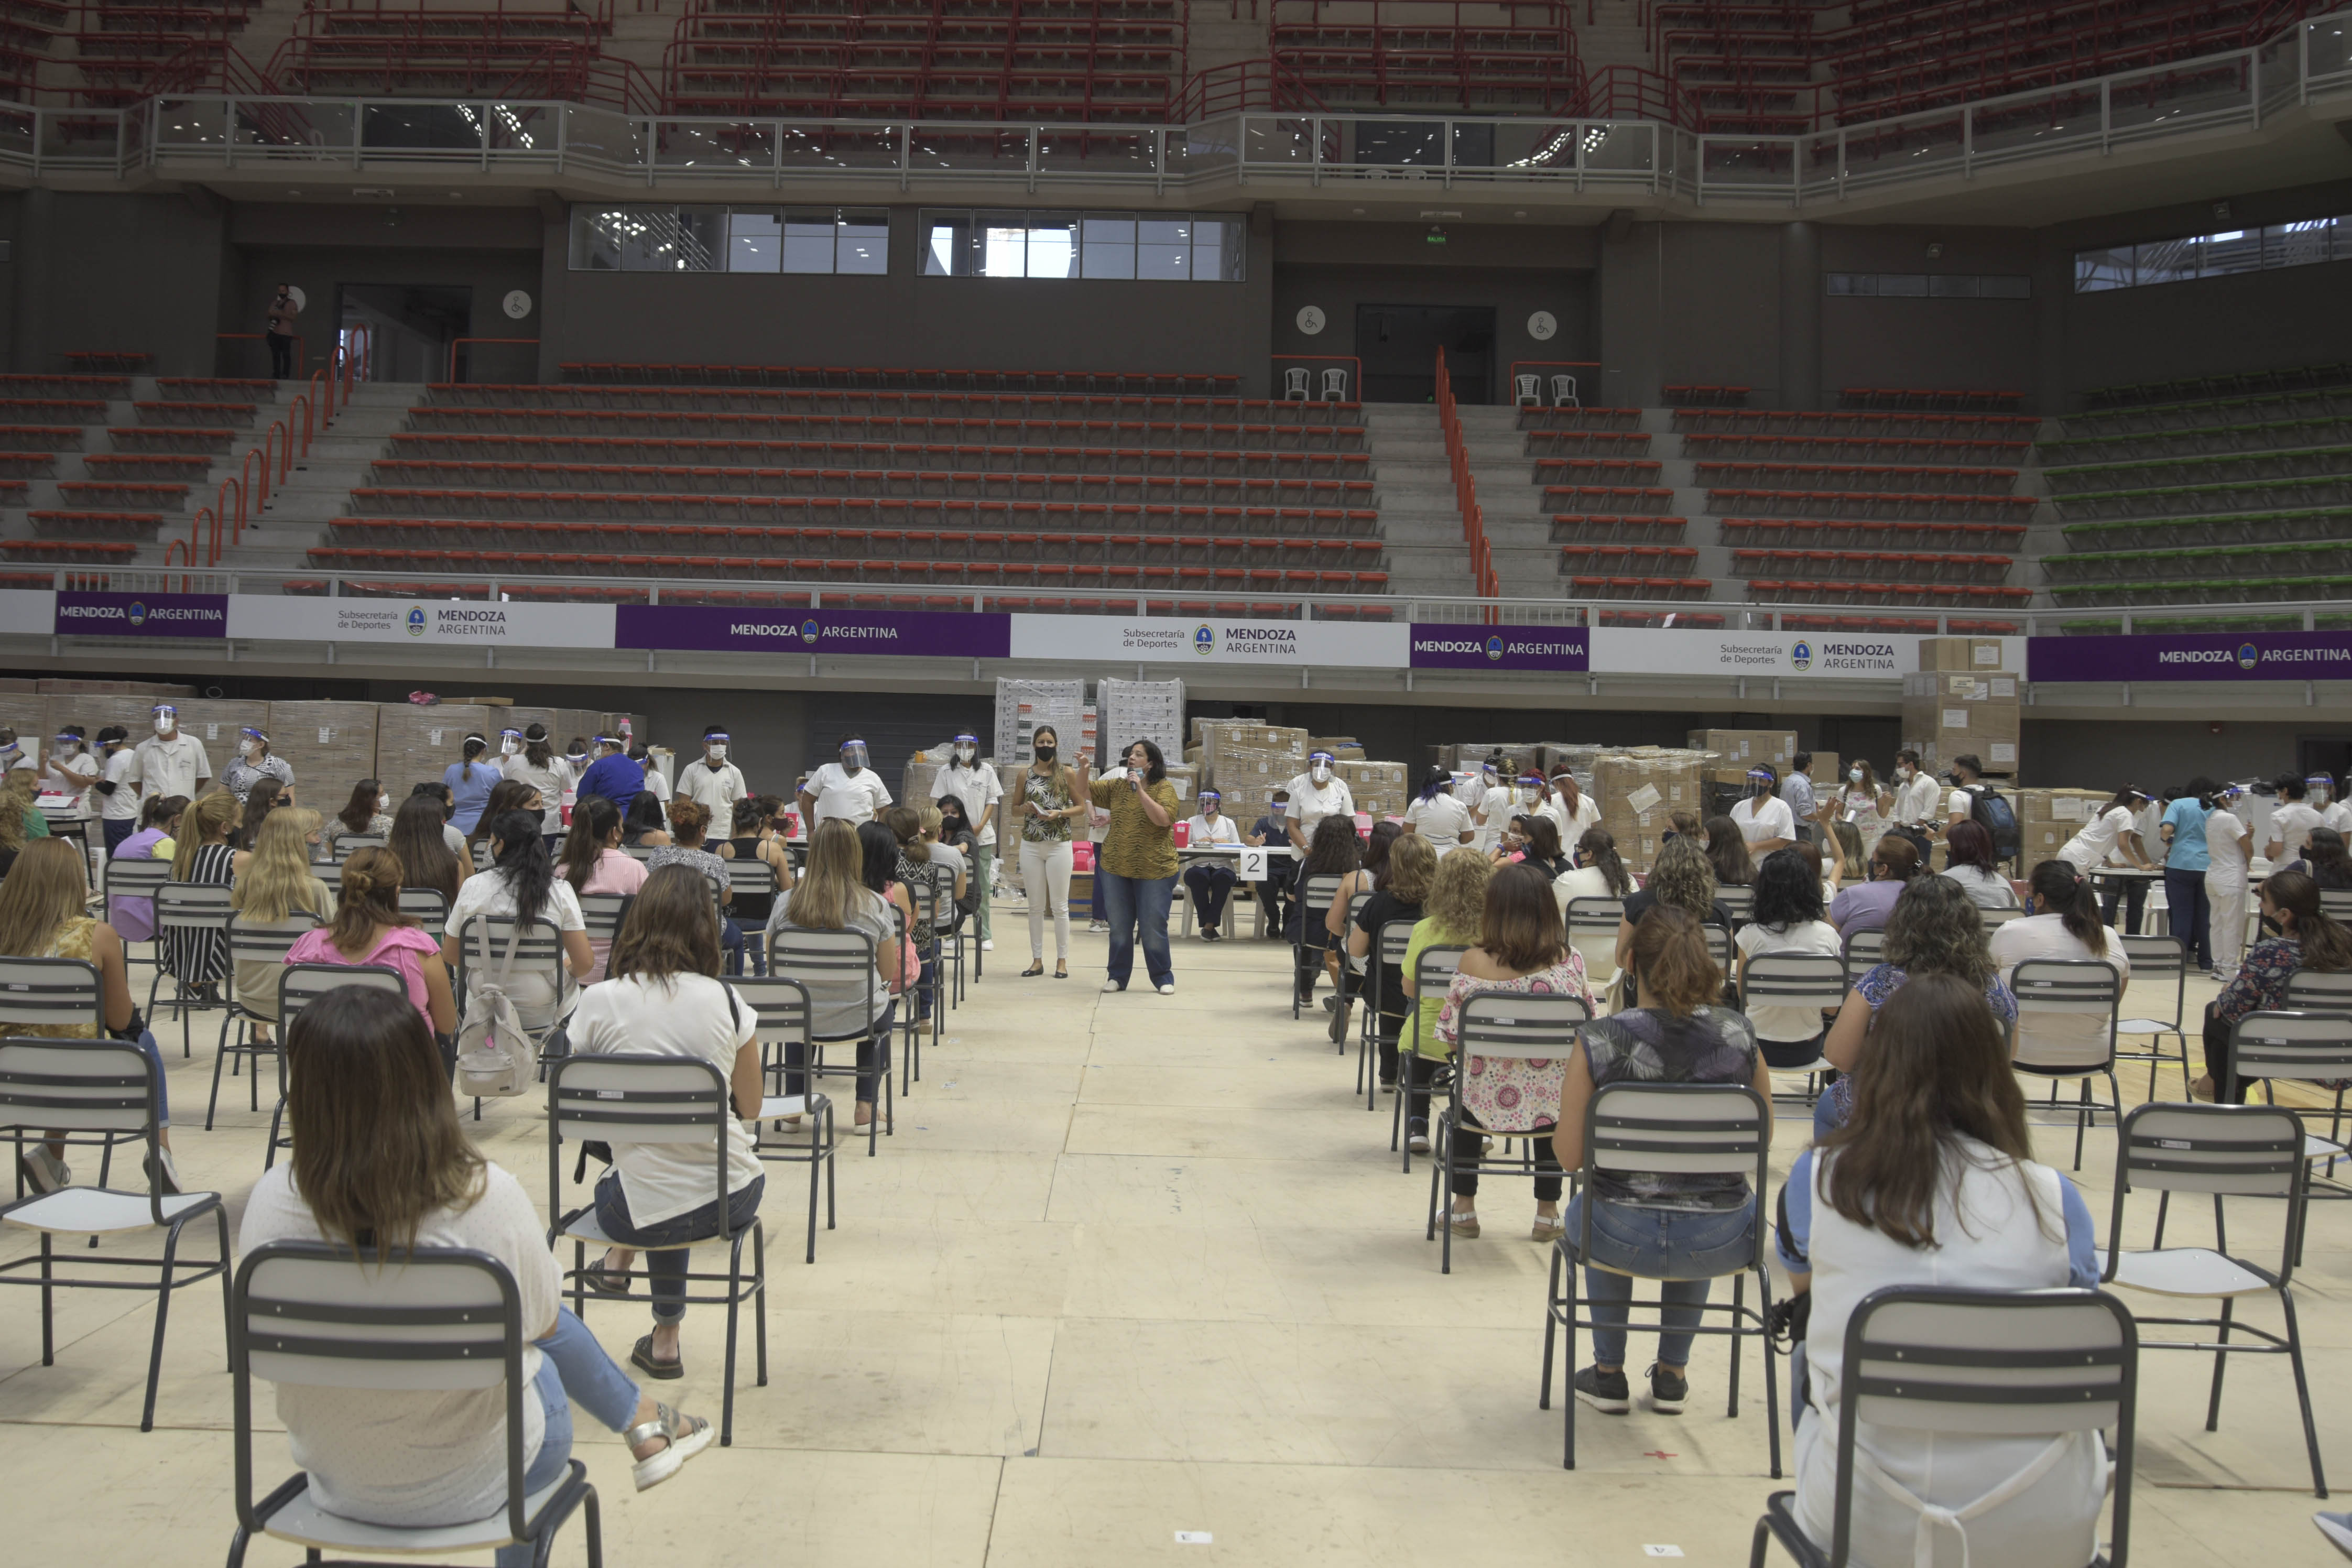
point(616, 873)
point(400, 948)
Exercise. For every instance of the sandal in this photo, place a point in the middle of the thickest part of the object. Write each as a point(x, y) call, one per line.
point(604, 1281)
point(1036, 968)
point(641, 1356)
point(683, 1436)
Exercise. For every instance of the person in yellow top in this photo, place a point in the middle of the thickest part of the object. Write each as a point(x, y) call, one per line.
point(1136, 864)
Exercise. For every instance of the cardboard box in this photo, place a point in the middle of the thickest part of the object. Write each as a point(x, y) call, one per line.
point(415, 745)
point(1947, 686)
point(27, 713)
point(1997, 757)
point(331, 746)
point(1467, 756)
point(1359, 777)
point(1639, 789)
point(1747, 747)
point(1976, 654)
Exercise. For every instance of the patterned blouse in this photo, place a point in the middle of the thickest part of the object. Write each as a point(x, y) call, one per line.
point(1650, 1045)
point(1134, 845)
point(1046, 792)
point(1507, 1094)
point(2260, 982)
point(1875, 986)
point(72, 941)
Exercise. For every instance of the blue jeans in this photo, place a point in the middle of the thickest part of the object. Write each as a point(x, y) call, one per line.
point(573, 1367)
point(1133, 901)
point(666, 1270)
point(730, 937)
point(1683, 1249)
point(2190, 914)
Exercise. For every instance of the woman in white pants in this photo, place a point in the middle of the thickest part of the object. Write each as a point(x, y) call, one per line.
point(1051, 806)
point(2228, 846)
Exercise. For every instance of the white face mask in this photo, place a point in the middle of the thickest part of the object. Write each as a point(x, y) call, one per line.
point(1528, 796)
point(251, 748)
point(717, 754)
point(1854, 773)
point(73, 748)
point(1320, 773)
point(966, 755)
point(162, 723)
point(383, 803)
point(510, 746)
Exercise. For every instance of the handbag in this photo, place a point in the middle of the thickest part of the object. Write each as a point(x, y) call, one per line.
point(494, 1050)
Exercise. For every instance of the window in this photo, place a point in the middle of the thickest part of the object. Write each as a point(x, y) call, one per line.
point(729, 239)
point(1065, 245)
point(1930, 285)
point(2306, 243)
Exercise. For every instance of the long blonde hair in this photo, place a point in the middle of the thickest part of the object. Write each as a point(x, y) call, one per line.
point(277, 881)
point(827, 893)
point(43, 890)
point(1457, 895)
point(207, 822)
point(16, 795)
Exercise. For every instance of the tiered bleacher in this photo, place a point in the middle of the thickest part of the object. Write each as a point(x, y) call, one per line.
point(408, 49)
point(1499, 55)
point(1114, 60)
point(1199, 501)
point(105, 54)
point(2171, 494)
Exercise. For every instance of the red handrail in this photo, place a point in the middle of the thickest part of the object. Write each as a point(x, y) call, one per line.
point(1465, 491)
point(304, 400)
point(278, 428)
point(260, 495)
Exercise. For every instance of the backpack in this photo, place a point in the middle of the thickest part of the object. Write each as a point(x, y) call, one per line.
point(1990, 811)
point(495, 1053)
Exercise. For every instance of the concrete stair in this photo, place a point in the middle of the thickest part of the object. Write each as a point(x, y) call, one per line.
point(1612, 37)
point(1420, 520)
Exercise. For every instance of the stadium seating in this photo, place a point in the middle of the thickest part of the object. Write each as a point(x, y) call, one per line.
point(1492, 56)
point(111, 502)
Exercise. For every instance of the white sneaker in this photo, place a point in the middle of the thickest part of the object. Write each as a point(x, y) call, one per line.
point(986, 945)
point(1169, 989)
point(45, 1171)
point(1098, 925)
point(1113, 985)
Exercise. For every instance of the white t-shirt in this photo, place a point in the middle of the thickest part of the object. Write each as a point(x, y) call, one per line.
point(687, 1015)
point(535, 999)
point(457, 843)
point(1440, 819)
point(390, 1456)
point(1986, 889)
point(2096, 841)
point(2292, 824)
point(82, 766)
point(1310, 805)
point(2068, 1036)
point(1571, 825)
point(1916, 802)
point(715, 789)
point(1224, 830)
point(2224, 864)
point(1765, 817)
point(122, 772)
point(1959, 806)
point(978, 787)
point(853, 799)
point(1812, 936)
point(2338, 815)
point(173, 766)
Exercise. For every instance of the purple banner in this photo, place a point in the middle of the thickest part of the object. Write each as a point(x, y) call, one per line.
point(1555, 649)
point(719, 628)
point(2192, 655)
point(143, 615)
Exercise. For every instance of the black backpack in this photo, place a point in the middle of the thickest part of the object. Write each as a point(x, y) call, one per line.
point(1992, 812)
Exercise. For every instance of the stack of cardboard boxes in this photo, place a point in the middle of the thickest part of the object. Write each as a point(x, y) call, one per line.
point(1961, 702)
point(1382, 789)
point(2047, 819)
point(1247, 763)
point(1639, 790)
point(1343, 748)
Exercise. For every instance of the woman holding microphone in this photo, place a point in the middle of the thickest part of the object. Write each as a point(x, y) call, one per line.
point(1136, 867)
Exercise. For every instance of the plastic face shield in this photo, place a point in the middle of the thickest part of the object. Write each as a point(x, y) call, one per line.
point(253, 741)
point(2319, 787)
point(167, 717)
point(1758, 782)
point(509, 742)
point(612, 742)
point(1210, 801)
point(966, 750)
point(1318, 767)
point(1530, 789)
point(852, 755)
point(715, 746)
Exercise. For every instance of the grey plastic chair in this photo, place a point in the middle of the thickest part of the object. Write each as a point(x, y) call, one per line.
point(785, 1010)
point(1507, 1026)
point(2047, 988)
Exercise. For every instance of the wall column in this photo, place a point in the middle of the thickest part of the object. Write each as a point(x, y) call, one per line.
point(1800, 316)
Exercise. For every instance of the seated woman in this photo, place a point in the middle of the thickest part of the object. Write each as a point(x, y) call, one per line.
point(2064, 924)
point(1726, 851)
point(1788, 919)
point(368, 929)
point(368, 813)
point(645, 827)
point(1411, 866)
point(689, 821)
point(1211, 881)
point(833, 895)
point(1599, 873)
point(1969, 851)
point(196, 956)
point(2307, 939)
point(42, 904)
point(1523, 948)
point(665, 999)
point(366, 1099)
point(1454, 915)
point(506, 795)
point(420, 837)
point(594, 862)
point(1867, 906)
point(1333, 851)
point(1934, 928)
point(1682, 1231)
point(1933, 1182)
point(1371, 875)
point(521, 882)
point(1539, 844)
point(134, 919)
point(1681, 878)
point(275, 883)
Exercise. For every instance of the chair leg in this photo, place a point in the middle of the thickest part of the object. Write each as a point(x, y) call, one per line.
point(2163, 1201)
point(734, 1298)
point(1771, 1376)
point(759, 1308)
point(163, 1312)
point(595, 1530)
point(2221, 1360)
point(1551, 1325)
point(1738, 1299)
point(220, 1059)
point(1568, 1371)
point(813, 1158)
point(2082, 1114)
point(49, 1333)
point(227, 1277)
point(1755, 1547)
point(2302, 1393)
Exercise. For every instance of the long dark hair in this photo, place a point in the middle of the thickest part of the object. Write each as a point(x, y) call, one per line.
point(359, 810)
point(1335, 850)
point(1436, 780)
point(377, 1144)
point(523, 860)
point(645, 814)
point(475, 746)
point(425, 859)
point(2326, 944)
point(1159, 764)
point(1726, 851)
point(506, 795)
point(2204, 789)
point(878, 850)
point(259, 801)
point(1378, 846)
point(1543, 840)
point(1788, 890)
point(2124, 797)
point(1970, 844)
point(1597, 848)
point(1522, 926)
point(1935, 1069)
point(592, 820)
point(535, 748)
point(2068, 893)
point(2330, 868)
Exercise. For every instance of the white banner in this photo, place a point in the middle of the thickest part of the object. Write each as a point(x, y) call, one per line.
point(1851, 655)
point(1289, 644)
point(476, 622)
point(29, 612)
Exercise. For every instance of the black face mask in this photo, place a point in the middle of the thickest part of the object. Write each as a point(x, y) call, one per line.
point(2270, 927)
point(1045, 753)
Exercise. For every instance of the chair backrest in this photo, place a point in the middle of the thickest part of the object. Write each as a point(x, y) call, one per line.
point(428, 906)
point(51, 993)
point(1679, 1129)
point(1320, 892)
point(1294, 380)
point(1864, 949)
point(346, 845)
point(2311, 1045)
point(300, 984)
point(1526, 387)
point(602, 913)
point(481, 854)
point(1720, 948)
point(1563, 391)
point(2309, 988)
point(483, 938)
point(1335, 385)
point(439, 1319)
point(2046, 988)
point(2335, 903)
point(752, 877)
point(192, 906)
point(2003, 915)
point(782, 1004)
point(129, 878)
point(1989, 1363)
point(1739, 901)
point(2154, 962)
point(837, 966)
point(2237, 1151)
point(75, 1086)
point(1595, 915)
point(1396, 936)
point(1519, 1026)
point(1794, 980)
point(636, 1100)
point(931, 890)
point(266, 941)
point(1433, 972)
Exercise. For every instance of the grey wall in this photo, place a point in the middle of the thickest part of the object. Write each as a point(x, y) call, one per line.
point(2156, 753)
point(1986, 344)
point(117, 272)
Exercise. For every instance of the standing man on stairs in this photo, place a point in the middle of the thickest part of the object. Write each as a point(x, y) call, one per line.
point(283, 309)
